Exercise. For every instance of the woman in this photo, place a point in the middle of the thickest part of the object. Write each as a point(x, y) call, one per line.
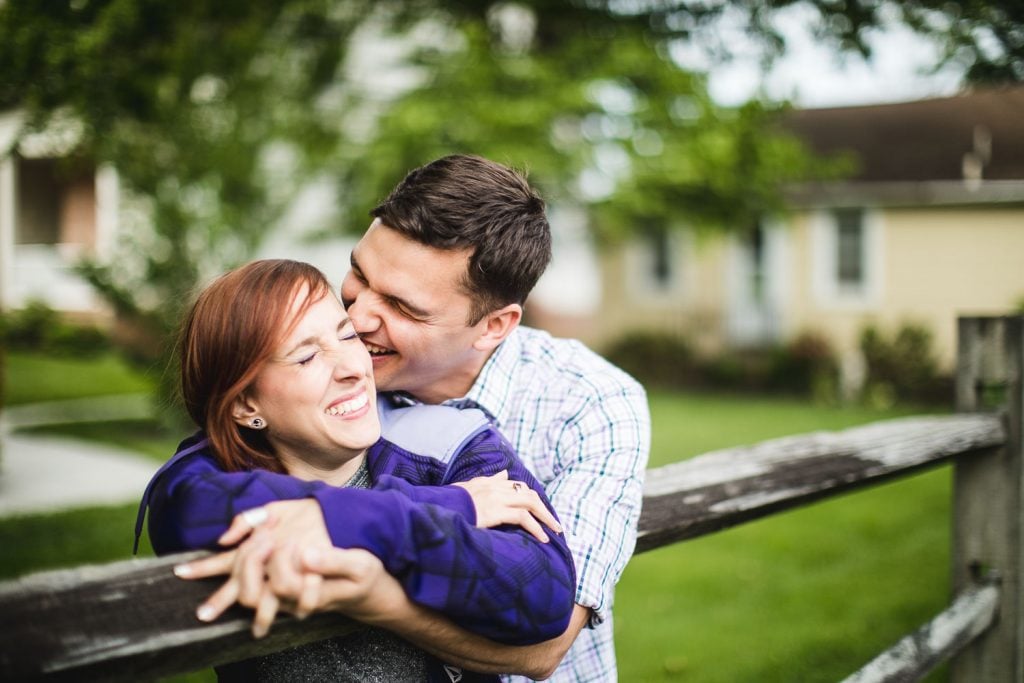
point(283, 390)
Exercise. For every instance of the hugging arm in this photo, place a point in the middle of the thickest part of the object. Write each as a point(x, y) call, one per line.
point(500, 583)
point(445, 640)
point(351, 586)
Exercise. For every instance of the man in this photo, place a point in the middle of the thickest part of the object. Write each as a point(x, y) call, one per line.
point(436, 291)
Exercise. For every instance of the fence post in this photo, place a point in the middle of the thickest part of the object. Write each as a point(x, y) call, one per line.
point(987, 495)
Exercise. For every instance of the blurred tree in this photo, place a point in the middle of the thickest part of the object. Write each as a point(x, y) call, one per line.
point(208, 109)
point(600, 116)
point(215, 111)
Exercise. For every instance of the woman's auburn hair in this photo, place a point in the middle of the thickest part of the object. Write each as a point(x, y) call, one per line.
point(230, 333)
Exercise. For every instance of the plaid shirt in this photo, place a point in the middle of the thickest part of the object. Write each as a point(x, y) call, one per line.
point(582, 427)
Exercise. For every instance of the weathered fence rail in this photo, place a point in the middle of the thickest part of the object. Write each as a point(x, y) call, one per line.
point(134, 620)
point(735, 485)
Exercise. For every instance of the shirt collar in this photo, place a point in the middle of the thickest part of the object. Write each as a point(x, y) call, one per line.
point(493, 389)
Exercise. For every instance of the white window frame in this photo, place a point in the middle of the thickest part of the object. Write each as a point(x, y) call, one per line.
point(828, 290)
point(643, 286)
point(750, 321)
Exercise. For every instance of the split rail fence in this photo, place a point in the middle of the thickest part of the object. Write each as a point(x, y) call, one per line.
point(134, 620)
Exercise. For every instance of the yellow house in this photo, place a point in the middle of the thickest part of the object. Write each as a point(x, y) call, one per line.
point(929, 228)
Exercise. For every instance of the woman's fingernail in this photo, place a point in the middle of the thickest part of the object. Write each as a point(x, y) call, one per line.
point(205, 613)
point(258, 631)
point(182, 571)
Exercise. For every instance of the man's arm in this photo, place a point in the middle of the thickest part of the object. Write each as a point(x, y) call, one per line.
point(501, 583)
point(378, 600)
point(599, 463)
point(453, 645)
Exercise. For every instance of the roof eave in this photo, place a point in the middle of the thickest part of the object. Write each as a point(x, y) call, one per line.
point(906, 194)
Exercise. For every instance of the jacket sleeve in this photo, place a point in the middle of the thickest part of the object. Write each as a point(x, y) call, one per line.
point(193, 502)
point(500, 583)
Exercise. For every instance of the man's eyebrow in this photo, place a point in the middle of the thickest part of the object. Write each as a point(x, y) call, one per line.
point(412, 308)
point(394, 300)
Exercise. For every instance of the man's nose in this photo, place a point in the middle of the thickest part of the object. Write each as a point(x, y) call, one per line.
point(364, 312)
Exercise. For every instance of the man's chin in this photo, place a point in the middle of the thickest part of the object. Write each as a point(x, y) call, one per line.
point(385, 372)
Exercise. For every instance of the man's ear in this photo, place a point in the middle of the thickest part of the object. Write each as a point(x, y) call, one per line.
point(243, 410)
point(497, 325)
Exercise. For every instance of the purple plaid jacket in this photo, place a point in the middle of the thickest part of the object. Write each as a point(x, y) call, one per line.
point(500, 583)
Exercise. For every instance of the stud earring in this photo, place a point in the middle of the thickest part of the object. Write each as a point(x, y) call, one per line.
point(257, 423)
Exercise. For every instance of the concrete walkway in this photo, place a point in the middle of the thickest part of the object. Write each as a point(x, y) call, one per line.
point(41, 473)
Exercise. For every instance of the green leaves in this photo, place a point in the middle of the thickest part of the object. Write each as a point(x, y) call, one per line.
point(216, 112)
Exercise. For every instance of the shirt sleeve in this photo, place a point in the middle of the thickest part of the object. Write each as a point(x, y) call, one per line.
point(501, 583)
point(602, 454)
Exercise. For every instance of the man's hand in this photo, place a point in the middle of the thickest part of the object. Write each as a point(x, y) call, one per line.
point(354, 583)
point(500, 501)
point(266, 568)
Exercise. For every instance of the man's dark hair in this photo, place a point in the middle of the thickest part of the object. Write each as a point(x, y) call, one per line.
point(463, 201)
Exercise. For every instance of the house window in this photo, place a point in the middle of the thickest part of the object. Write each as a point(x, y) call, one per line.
point(756, 251)
point(660, 267)
point(56, 203)
point(655, 265)
point(850, 248)
point(847, 258)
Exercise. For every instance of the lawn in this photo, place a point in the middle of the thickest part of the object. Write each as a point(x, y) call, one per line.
point(808, 595)
point(32, 378)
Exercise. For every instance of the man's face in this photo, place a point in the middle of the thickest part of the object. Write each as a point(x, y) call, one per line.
point(407, 304)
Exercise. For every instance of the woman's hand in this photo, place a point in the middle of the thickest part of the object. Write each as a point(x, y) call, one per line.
point(266, 568)
point(500, 501)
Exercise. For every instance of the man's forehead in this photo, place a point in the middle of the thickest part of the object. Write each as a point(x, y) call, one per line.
point(397, 266)
point(389, 250)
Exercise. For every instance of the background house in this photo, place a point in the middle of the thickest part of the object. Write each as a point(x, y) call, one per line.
point(53, 208)
point(930, 226)
point(56, 208)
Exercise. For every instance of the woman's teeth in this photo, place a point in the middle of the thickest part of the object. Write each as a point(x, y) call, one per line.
point(349, 406)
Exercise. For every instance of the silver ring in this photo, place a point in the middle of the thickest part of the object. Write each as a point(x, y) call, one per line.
point(255, 516)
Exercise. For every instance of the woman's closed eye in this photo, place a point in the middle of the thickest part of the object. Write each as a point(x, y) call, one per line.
point(306, 360)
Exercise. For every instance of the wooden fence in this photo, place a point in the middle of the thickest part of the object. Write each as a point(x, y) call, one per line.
point(134, 620)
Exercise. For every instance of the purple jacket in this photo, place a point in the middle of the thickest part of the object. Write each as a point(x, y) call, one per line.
point(500, 583)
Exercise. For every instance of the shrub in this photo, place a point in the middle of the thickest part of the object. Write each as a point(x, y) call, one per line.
point(28, 327)
point(902, 367)
point(37, 327)
point(654, 358)
point(808, 366)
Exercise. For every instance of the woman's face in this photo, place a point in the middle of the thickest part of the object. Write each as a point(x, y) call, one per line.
point(316, 393)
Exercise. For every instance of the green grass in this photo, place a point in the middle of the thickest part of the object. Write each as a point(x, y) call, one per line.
point(808, 595)
point(31, 378)
point(688, 424)
point(65, 539)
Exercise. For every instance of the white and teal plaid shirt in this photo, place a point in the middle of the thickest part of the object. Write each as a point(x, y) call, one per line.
point(582, 427)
